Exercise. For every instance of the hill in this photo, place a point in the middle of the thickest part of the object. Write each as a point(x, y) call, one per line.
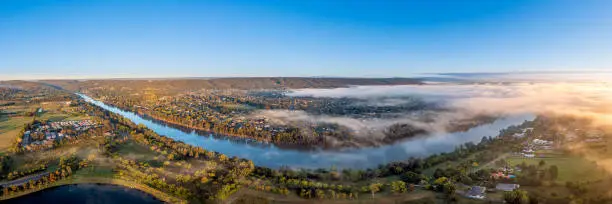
point(170, 86)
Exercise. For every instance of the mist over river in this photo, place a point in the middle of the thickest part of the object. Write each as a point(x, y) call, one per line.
point(272, 156)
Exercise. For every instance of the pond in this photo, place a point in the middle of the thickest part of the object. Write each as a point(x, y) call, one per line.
point(86, 193)
point(272, 156)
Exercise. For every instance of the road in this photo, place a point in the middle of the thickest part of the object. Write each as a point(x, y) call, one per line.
point(23, 180)
point(503, 156)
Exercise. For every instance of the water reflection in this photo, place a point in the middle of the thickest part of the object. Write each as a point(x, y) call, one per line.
point(86, 193)
point(270, 155)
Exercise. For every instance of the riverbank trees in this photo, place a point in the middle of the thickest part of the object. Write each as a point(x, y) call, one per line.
point(66, 167)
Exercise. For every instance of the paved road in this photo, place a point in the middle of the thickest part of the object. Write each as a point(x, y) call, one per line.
point(23, 180)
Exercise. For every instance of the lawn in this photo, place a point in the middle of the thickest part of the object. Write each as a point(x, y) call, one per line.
point(54, 117)
point(570, 168)
point(95, 171)
point(9, 128)
point(138, 152)
point(451, 164)
point(11, 123)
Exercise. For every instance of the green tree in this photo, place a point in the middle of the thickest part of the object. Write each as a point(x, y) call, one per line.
point(411, 177)
point(449, 189)
point(374, 188)
point(398, 187)
point(554, 172)
point(516, 197)
point(438, 184)
point(320, 194)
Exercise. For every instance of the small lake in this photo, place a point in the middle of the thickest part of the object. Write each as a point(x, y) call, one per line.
point(86, 193)
point(272, 156)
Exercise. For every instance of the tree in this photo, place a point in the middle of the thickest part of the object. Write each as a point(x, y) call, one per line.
point(398, 187)
point(542, 163)
point(374, 188)
point(449, 189)
point(516, 197)
point(553, 171)
point(332, 193)
point(438, 184)
point(305, 193)
point(320, 194)
point(398, 170)
point(411, 177)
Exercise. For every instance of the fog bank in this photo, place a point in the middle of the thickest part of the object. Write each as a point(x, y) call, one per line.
point(458, 102)
point(589, 99)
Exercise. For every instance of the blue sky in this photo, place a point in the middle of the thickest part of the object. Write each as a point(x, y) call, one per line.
point(123, 38)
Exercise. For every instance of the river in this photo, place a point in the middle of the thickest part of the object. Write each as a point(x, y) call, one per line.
point(86, 193)
point(272, 156)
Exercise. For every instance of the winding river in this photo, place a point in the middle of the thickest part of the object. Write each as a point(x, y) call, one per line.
point(274, 157)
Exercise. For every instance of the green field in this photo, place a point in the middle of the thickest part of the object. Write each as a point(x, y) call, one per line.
point(54, 117)
point(95, 171)
point(138, 152)
point(570, 168)
point(11, 123)
point(9, 128)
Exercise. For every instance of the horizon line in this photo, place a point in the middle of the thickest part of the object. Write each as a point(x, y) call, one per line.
point(414, 76)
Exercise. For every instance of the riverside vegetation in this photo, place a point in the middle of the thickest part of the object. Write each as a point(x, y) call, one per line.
point(265, 114)
point(124, 153)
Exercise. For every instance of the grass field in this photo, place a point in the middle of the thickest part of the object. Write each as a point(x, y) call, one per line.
point(95, 171)
point(61, 117)
point(570, 168)
point(10, 123)
point(9, 128)
point(135, 151)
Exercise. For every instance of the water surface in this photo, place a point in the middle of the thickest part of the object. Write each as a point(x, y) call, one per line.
point(86, 193)
point(272, 156)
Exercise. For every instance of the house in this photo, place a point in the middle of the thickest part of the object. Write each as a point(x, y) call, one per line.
point(594, 140)
point(476, 192)
point(502, 175)
point(498, 175)
point(542, 142)
point(506, 186)
point(528, 151)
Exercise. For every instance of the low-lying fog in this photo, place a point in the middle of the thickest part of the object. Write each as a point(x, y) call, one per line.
point(458, 102)
point(491, 98)
point(516, 99)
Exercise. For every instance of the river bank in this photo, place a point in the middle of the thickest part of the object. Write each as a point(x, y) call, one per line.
point(273, 156)
point(347, 140)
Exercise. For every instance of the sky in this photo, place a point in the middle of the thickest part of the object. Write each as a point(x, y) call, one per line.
point(353, 38)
